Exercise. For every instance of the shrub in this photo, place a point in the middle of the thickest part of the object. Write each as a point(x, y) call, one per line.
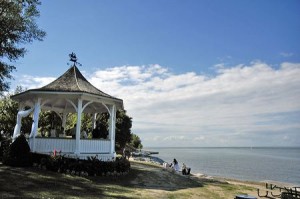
point(92, 166)
point(18, 153)
point(4, 144)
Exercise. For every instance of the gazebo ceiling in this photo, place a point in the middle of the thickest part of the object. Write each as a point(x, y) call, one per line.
point(67, 89)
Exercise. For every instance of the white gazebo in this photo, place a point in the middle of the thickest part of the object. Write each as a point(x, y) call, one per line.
point(70, 93)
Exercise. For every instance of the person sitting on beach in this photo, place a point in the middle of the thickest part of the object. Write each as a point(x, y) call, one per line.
point(175, 165)
point(166, 165)
point(185, 170)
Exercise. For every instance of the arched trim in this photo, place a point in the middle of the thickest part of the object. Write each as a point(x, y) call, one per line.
point(86, 105)
point(72, 103)
point(106, 108)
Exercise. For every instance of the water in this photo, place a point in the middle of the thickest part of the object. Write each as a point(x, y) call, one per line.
point(252, 164)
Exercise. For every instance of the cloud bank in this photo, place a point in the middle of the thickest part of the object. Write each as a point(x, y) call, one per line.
point(243, 105)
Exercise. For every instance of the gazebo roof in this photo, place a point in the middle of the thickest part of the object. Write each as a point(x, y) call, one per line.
point(72, 82)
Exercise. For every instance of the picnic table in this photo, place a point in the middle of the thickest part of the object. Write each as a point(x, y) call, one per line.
point(275, 189)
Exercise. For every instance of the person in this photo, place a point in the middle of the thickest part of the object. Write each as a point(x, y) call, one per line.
point(166, 165)
point(96, 132)
point(124, 153)
point(73, 131)
point(103, 134)
point(175, 165)
point(83, 134)
point(185, 169)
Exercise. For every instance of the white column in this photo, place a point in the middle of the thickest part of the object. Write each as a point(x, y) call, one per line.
point(78, 126)
point(18, 124)
point(112, 127)
point(35, 123)
point(64, 120)
point(20, 115)
point(94, 120)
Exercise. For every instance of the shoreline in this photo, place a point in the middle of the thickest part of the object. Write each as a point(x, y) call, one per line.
point(158, 162)
point(256, 164)
point(144, 180)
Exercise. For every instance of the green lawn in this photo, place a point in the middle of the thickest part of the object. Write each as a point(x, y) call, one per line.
point(143, 181)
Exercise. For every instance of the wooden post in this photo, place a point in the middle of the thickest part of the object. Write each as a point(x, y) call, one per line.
point(35, 122)
point(78, 127)
point(112, 128)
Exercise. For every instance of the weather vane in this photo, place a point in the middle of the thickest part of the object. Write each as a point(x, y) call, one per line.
point(73, 59)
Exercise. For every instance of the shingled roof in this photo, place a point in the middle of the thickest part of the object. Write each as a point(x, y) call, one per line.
point(72, 81)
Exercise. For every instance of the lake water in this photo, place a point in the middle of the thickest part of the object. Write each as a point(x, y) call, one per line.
point(253, 164)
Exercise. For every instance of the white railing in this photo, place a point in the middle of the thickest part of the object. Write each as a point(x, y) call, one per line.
point(66, 145)
point(94, 146)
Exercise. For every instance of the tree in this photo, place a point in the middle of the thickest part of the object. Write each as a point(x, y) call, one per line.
point(17, 26)
point(136, 142)
point(123, 127)
point(8, 115)
point(49, 120)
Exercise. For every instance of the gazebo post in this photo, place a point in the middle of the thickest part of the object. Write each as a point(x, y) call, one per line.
point(64, 120)
point(112, 128)
point(35, 122)
point(94, 120)
point(78, 127)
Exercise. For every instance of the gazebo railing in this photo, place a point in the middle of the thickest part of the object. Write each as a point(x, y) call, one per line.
point(67, 145)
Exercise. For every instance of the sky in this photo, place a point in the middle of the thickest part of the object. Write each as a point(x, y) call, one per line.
point(191, 73)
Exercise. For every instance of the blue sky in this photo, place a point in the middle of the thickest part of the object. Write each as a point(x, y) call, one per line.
point(191, 73)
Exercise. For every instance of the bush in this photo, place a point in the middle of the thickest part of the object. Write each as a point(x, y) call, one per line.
point(18, 153)
point(4, 144)
point(90, 167)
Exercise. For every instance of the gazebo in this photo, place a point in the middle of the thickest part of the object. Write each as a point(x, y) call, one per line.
point(70, 93)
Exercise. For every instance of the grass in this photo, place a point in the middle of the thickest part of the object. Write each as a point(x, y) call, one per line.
point(143, 181)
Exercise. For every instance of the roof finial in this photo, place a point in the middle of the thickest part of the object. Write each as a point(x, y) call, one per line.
point(73, 59)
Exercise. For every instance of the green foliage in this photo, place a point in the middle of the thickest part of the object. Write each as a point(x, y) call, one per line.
point(136, 142)
point(123, 127)
point(86, 122)
point(102, 121)
point(90, 167)
point(4, 144)
point(18, 153)
point(8, 115)
point(49, 120)
point(17, 26)
point(71, 120)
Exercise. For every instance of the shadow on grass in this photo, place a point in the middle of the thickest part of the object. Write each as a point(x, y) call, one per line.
point(35, 183)
point(154, 177)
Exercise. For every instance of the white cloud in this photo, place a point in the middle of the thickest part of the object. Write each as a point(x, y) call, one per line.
point(286, 54)
point(30, 82)
point(241, 105)
point(170, 138)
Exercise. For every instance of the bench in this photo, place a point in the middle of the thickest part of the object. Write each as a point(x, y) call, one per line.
point(279, 191)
